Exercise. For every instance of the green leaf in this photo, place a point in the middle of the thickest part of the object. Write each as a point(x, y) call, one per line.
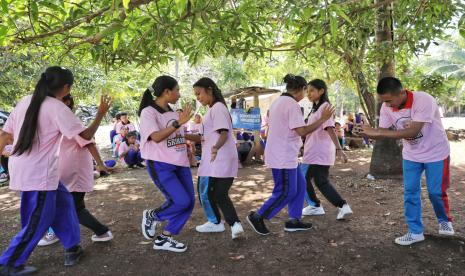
point(333, 26)
point(34, 10)
point(181, 5)
point(115, 41)
point(126, 4)
point(4, 5)
point(342, 14)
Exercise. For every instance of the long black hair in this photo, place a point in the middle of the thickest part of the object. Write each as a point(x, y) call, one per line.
point(294, 83)
point(216, 92)
point(51, 81)
point(155, 90)
point(320, 84)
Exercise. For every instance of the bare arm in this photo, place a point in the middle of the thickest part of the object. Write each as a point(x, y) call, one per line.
point(194, 137)
point(89, 132)
point(92, 148)
point(161, 135)
point(5, 139)
point(410, 132)
point(327, 113)
point(332, 133)
point(221, 141)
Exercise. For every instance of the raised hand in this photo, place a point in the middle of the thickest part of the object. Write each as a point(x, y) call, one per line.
point(328, 112)
point(185, 115)
point(105, 103)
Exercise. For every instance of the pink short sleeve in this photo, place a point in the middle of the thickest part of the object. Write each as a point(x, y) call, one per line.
point(222, 117)
point(10, 122)
point(149, 123)
point(296, 119)
point(68, 124)
point(83, 142)
point(385, 120)
point(423, 109)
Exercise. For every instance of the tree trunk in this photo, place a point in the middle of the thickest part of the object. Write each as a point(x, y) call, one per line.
point(386, 158)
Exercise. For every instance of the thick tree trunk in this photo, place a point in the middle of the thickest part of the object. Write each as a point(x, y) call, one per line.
point(386, 159)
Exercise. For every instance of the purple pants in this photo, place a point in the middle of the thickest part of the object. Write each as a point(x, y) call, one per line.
point(39, 211)
point(289, 189)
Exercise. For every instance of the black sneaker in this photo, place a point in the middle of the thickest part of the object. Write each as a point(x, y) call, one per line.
point(163, 242)
point(20, 270)
point(72, 256)
point(140, 165)
point(257, 224)
point(149, 225)
point(294, 225)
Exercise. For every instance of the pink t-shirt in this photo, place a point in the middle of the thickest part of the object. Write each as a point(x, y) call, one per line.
point(226, 162)
point(171, 150)
point(123, 147)
point(319, 149)
point(431, 144)
point(119, 125)
point(283, 143)
point(37, 170)
point(75, 165)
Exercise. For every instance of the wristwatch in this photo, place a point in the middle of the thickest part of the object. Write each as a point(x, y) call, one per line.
point(176, 124)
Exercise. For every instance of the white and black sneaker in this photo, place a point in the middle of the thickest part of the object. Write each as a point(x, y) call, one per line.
point(163, 242)
point(257, 223)
point(294, 225)
point(409, 238)
point(445, 228)
point(148, 225)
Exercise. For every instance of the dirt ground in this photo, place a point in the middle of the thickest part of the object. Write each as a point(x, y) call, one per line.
point(361, 245)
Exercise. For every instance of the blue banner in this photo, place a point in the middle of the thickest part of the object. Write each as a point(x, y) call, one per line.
point(246, 120)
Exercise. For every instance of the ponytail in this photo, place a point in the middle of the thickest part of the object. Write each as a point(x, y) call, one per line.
point(50, 82)
point(294, 83)
point(207, 83)
point(160, 84)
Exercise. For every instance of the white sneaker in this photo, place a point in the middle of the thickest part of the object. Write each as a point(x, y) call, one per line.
point(445, 228)
point(210, 227)
point(108, 236)
point(313, 211)
point(48, 239)
point(409, 238)
point(344, 212)
point(236, 230)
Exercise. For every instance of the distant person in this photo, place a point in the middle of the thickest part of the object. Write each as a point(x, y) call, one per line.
point(129, 151)
point(113, 132)
point(124, 121)
point(415, 118)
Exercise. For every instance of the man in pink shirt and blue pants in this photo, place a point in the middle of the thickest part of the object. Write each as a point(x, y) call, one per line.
point(415, 117)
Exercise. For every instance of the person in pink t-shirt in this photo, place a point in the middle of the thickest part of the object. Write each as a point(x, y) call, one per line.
point(414, 117)
point(79, 180)
point(129, 151)
point(124, 121)
point(36, 127)
point(320, 149)
point(286, 127)
point(163, 146)
point(219, 162)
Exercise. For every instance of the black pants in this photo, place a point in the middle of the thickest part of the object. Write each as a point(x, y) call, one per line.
point(320, 176)
point(4, 163)
point(85, 217)
point(218, 196)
